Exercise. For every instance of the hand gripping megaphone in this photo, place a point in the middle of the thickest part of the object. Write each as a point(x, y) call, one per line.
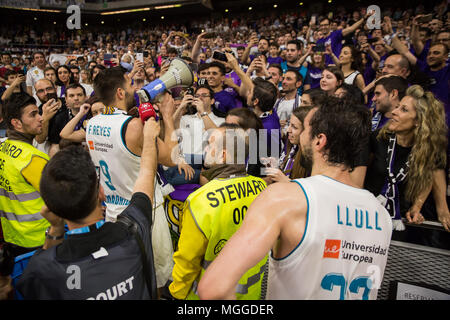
point(178, 74)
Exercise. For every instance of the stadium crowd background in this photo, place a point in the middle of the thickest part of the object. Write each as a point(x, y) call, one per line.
point(144, 49)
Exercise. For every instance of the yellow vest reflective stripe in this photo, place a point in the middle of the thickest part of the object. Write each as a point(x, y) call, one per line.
point(20, 202)
point(219, 208)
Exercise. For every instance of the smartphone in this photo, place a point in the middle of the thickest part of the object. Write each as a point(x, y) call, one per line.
point(108, 56)
point(313, 19)
point(146, 54)
point(51, 95)
point(209, 35)
point(426, 18)
point(373, 40)
point(319, 48)
point(220, 56)
point(140, 56)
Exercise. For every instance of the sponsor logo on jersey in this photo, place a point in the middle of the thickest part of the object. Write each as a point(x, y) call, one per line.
point(332, 249)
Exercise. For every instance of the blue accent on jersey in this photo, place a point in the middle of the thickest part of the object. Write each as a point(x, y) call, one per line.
point(306, 225)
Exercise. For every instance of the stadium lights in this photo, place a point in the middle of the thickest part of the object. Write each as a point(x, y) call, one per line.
point(250, 8)
point(226, 10)
point(301, 3)
point(32, 9)
point(124, 11)
point(275, 5)
point(168, 6)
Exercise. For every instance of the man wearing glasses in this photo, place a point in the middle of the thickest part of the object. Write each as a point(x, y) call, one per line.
point(193, 118)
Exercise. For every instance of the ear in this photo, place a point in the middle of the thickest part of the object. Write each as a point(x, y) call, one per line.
point(16, 123)
point(320, 142)
point(393, 94)
point(120, 94)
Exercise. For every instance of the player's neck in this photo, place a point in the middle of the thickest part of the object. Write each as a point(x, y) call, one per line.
point(338, 173)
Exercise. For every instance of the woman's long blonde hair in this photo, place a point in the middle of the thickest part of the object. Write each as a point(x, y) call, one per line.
point(430, 141)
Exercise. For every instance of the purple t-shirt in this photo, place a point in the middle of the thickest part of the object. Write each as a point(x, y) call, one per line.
point(440, 84)
point(314, 76)
point(233, 75)
point(224, 101)
point(335, 39)
point(271, 60)
point(271, 122)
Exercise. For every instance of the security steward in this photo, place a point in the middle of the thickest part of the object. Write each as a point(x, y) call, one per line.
point(21, 166)
point(213, 213)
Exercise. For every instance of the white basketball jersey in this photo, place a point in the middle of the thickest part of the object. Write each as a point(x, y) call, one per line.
point(119, 170)
point(343, 252)
point(119, 167)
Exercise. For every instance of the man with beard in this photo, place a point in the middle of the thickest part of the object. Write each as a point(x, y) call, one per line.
point(214, 212)
point(115, 141)
point(435, 67)
point(292, 80)
point(21, 167)
point(294, 60)
point(308, 224)
point(387, 95)
point(263, 48)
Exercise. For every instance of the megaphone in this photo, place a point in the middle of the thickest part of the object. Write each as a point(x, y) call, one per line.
point(178, 74)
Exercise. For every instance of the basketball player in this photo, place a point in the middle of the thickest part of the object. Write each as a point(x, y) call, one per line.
point(328, 238)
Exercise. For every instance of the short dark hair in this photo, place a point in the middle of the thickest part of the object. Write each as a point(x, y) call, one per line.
point(205, 85)
point(9, 73)
point(69, 184)
point(274, 44)
point(107, 82)
point(14, 107)
point(298, 76)
point(446, 49)
point(218, 65)
point(277, 66)
point(75, 86)
point(352, 93)
point(297, 43)
point(202, 66)
point(266, 93)
point(38, 52)
point(172, 50)
point(394, 82)
point(347, 134)
point(247, 118)
point(72, 66)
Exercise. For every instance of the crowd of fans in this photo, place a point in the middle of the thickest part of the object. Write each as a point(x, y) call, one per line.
point(264, 74)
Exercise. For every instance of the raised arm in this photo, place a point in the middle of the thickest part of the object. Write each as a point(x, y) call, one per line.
point(69, 133)
point(246, 82)
point(145, 182)
point(246, 55)
point(196, 48)
point(356, 25)
point(49, 110)
point(415, 36)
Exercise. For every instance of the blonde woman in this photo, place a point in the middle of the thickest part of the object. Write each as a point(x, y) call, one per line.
point(408, 156)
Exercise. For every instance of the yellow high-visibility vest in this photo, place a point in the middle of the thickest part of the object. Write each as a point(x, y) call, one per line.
point(20, 202)
point(219, 208)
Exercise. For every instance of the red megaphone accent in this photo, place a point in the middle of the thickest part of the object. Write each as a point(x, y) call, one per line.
point(147, 111)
